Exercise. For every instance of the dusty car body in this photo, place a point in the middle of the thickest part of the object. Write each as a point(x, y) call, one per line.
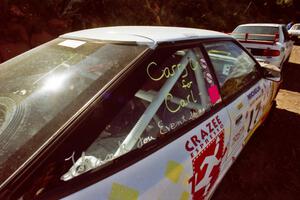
point(129, 113)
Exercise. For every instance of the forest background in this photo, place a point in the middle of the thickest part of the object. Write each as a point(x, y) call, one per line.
point(25, 24)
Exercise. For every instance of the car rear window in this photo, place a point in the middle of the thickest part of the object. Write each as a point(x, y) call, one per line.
point(262, 33)
point(43, 88)
point(295, 27)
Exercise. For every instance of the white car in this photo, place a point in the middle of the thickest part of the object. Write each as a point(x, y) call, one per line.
point(128, 113)
point(268, 42)
point(295, 32)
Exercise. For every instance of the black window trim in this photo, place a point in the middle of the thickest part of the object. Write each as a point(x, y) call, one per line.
point(285, 34)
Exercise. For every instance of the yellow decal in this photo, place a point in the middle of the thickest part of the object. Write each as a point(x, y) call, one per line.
point(185, 196)
point(240, 106)
point(186, 180)
point(119, 191)
point(173, 171)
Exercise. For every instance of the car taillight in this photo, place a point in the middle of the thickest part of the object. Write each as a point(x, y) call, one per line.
point(270, 53)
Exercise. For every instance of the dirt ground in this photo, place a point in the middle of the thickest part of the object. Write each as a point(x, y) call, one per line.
point(269, 166)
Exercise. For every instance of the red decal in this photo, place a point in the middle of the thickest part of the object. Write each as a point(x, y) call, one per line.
point(187, 146)
point(209, 127)
point(195, 140)
point(214, 123)
point(206, 167)
point(203, 134)
point(218, 120)
point(213, 94)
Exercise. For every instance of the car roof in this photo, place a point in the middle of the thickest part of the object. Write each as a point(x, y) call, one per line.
point(262, 24)
point(143, 34)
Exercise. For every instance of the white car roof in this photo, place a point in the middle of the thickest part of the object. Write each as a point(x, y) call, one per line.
point(143, 34)
point(262, 24)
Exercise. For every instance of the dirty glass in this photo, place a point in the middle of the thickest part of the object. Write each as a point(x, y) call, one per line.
point(176, 92)
point(263, 33)
point(50, 84)
point(234, 68)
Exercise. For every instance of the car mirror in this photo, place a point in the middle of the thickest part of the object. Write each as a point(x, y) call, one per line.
point(271, 72)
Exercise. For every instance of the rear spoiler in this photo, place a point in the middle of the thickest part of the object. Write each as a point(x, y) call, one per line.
point(250, 38)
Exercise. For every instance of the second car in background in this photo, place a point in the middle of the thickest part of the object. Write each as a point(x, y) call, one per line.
point(295, 32)
point(268, 42)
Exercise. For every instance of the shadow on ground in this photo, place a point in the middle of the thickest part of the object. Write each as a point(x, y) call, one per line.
point(291, 77)
point(269, 166)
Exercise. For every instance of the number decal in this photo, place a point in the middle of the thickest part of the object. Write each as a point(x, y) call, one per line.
point(251, 116)
point(255, 111)
point(258, 107)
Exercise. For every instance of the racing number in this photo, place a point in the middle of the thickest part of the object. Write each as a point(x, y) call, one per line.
point(254, 112)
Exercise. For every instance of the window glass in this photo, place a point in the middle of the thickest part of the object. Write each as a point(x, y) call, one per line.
point(42, 89)
point(295, 27)
point(234, 68)
point(257, 29)
point(264, 33)
point(177, 91)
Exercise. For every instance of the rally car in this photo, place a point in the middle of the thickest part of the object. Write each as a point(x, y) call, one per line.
point(268, 42)
point(129, 113)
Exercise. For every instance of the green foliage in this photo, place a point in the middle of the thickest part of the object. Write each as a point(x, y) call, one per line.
point(70, 15)
point(287, 3)
point(28, 23)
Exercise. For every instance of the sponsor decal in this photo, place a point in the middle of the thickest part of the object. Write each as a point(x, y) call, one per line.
point(206, 150)
point(253, 92)
point(204, 136)
point(214, 94)
point(254, 116)
point(239, 119)
point(227, 69)
point(238, 135)
point(240, 106)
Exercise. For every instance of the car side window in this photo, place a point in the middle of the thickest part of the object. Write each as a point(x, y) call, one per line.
point(234, 68)
point(177, 91)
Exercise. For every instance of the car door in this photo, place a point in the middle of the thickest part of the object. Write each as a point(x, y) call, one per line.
point(245, 93)
point(159, 133)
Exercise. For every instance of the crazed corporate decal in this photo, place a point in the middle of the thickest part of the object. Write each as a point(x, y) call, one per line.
point(207, 150)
